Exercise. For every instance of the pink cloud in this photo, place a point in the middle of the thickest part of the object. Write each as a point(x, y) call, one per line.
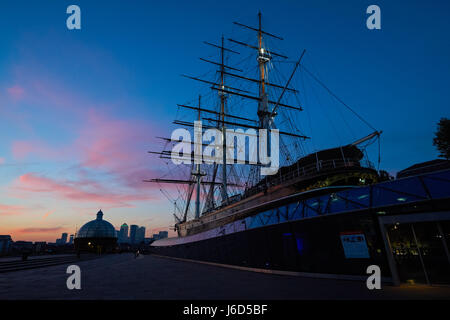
point(104, 144)
point(20, 149)
point(16, 92)
point(112, 163)
point(107, 155)
point(112, 143)
point(23, 148)
point(9, 210)
point(57, 97)
point(120, 147)
point(2, 160)
point(34, 233)
point(39, 230)
point(77, 191)
point(43, 88)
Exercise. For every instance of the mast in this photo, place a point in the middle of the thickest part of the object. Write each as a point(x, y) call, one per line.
point(263, 98)
point(197, 173)
point(264, 56)
point(220, 87)
point(267, 110)
point(262, 60)
point(263, 119)
point(222, 118)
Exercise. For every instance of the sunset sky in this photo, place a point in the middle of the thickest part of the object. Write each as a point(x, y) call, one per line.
point(79, 109)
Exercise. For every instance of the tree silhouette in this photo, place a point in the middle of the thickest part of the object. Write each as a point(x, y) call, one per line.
point(385, 176)
point(442, 138)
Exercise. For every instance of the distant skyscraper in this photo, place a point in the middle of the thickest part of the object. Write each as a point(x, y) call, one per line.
point(39, 246)
point(163, 234)
point(64, 238)
point(133, 232)
point(5, 244)
point(140, 234)
point(123, 233)
point(71, 239)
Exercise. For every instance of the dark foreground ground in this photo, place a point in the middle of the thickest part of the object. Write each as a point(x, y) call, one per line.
point(147, 277)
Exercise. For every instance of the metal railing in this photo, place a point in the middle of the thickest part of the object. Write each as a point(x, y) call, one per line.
point(306, 171)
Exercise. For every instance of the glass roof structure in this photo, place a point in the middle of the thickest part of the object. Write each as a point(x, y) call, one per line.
point(97, 228)
point(430, 186)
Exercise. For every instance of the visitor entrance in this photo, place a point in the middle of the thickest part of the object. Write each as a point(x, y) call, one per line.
point(418, 248)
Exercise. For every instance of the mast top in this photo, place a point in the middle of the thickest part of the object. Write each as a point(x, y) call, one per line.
point(259, 29)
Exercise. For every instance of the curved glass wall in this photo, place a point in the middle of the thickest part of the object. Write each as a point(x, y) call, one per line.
point(402, 191)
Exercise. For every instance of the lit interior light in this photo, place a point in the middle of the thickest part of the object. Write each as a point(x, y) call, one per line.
point(401, 199)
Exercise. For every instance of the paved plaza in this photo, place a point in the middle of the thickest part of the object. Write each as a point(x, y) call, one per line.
point(121, 276)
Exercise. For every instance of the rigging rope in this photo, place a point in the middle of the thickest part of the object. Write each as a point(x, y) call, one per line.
point(337, 98)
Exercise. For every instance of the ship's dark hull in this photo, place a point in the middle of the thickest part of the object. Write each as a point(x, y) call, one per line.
point(309, 245)
point(339, 233)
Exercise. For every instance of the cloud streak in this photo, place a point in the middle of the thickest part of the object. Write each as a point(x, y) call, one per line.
point(84, 191)
point(112, 162)
point(10, 210)
point(47, 214)
point(39, 230)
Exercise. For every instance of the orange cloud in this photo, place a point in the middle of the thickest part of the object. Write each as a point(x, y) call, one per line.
point(47, 214)
point(39, 230)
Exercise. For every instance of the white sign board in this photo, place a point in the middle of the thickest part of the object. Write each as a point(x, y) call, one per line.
point(354, 244)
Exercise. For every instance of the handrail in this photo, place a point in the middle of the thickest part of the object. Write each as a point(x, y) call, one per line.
point(309, 170)
point(305, 171)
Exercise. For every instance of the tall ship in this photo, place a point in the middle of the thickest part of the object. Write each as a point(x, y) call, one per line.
point(248, 192)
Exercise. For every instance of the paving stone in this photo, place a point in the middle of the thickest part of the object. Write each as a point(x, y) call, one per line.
point(121, 276)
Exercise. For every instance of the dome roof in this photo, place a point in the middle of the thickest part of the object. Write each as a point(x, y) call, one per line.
point(97, 228)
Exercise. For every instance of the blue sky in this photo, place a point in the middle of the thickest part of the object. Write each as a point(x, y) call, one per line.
point(79, 109)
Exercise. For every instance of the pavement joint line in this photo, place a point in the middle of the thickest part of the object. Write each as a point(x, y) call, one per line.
point(35, 263)
point(279, 272)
